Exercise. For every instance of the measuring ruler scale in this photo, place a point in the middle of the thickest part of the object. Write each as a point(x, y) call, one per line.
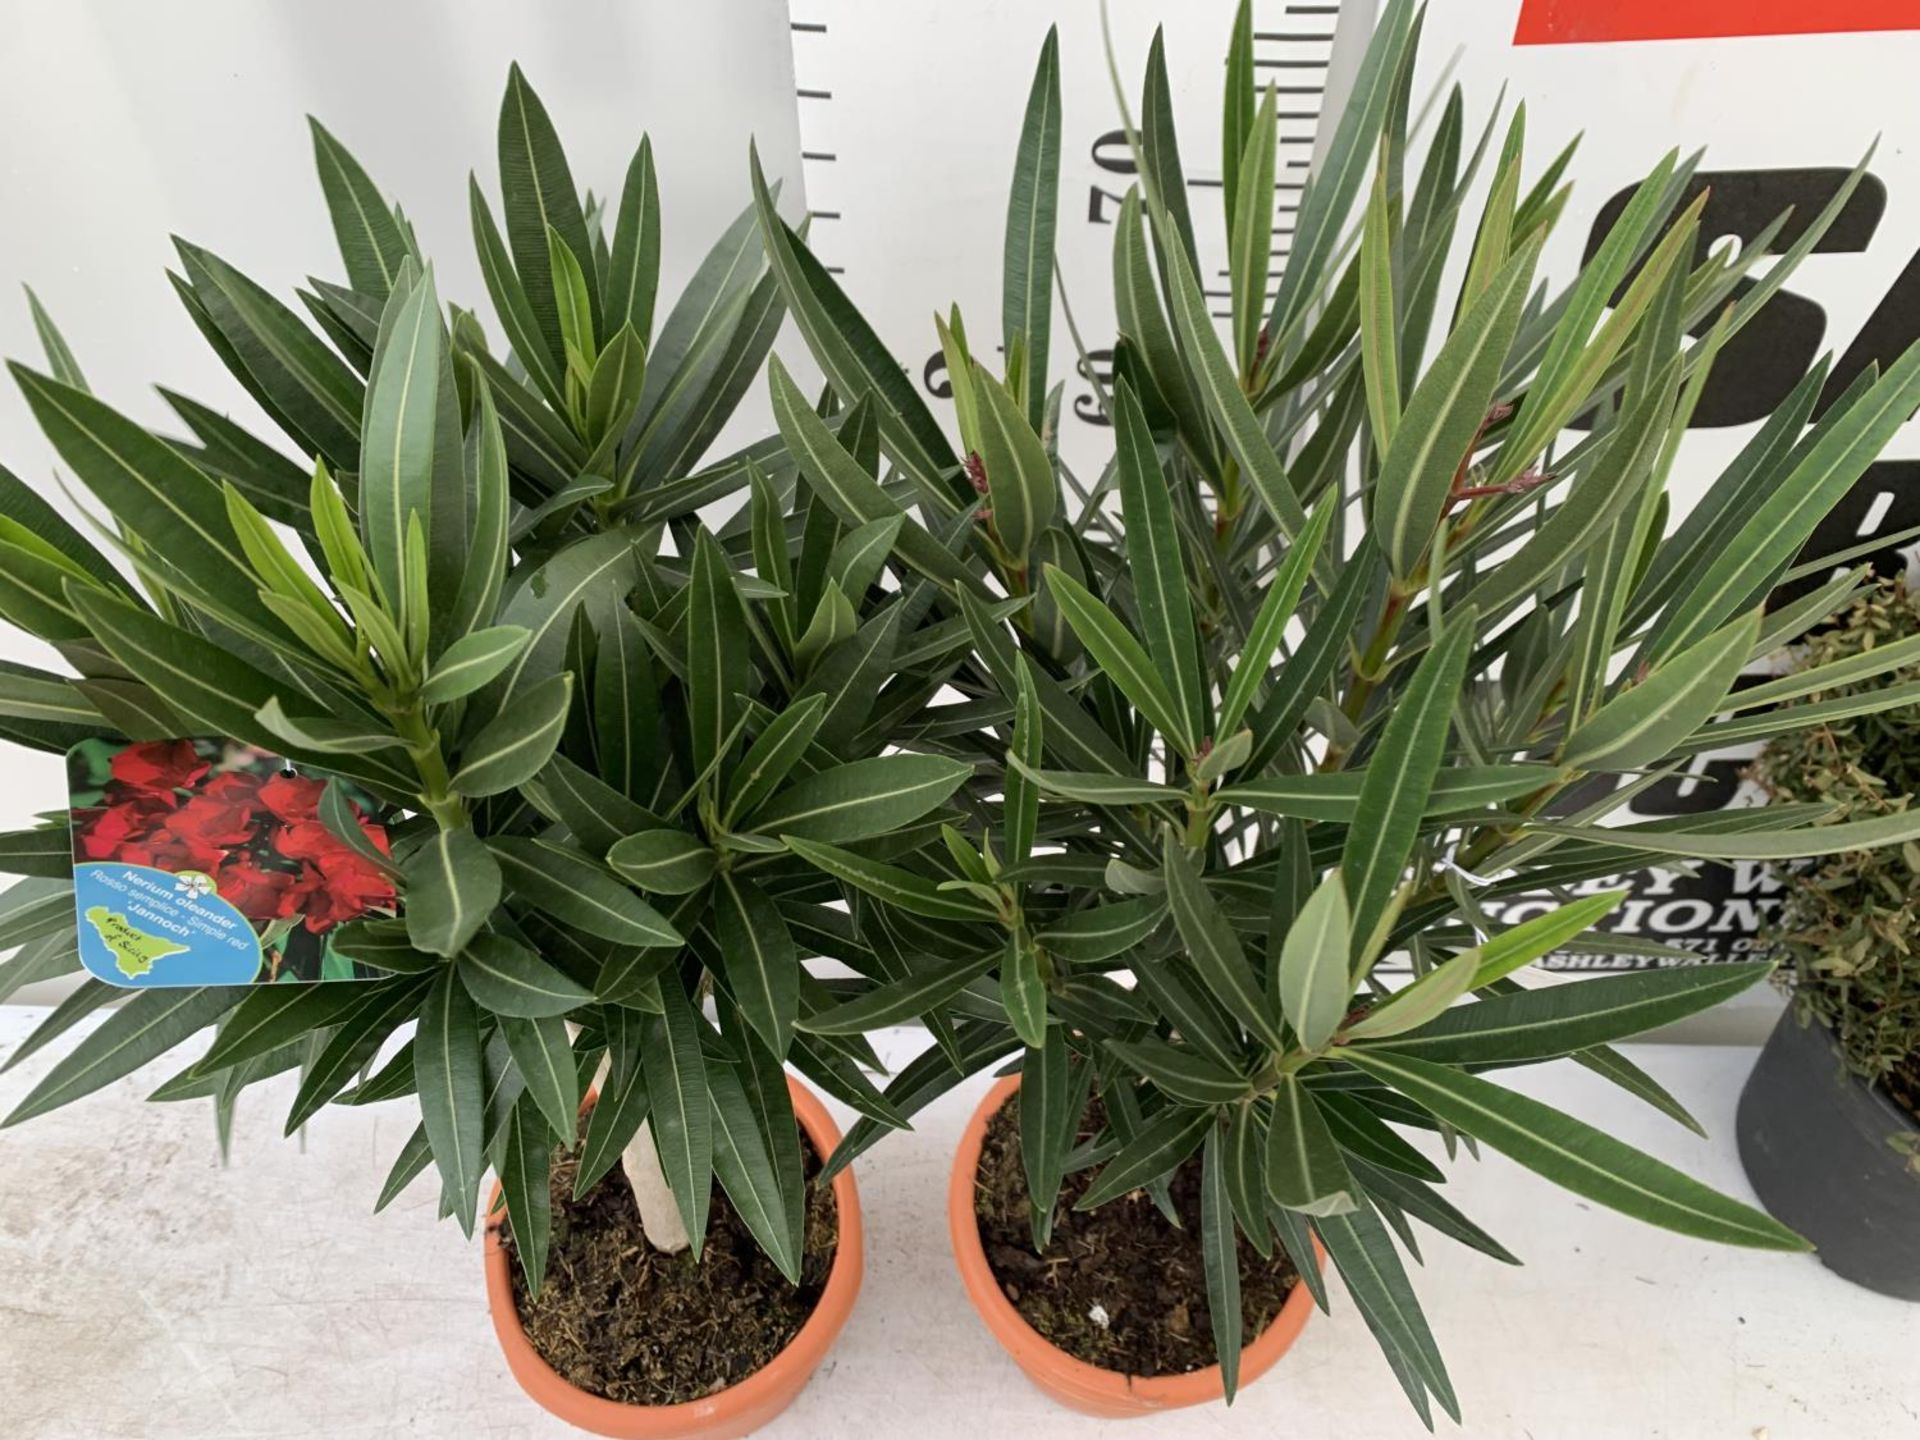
point(910, 114)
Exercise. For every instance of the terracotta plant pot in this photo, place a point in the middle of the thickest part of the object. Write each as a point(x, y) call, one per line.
point(1074, 1383)
point(727, 1414)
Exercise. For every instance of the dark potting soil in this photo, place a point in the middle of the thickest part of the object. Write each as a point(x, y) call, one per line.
point(620, 1320)
point(1121, 1260)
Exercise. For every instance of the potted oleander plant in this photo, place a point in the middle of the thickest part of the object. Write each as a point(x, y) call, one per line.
point(1829, 1121)
point(449, 695)
point(1373, 619)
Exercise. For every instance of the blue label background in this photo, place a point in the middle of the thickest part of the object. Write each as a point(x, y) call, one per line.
point(222, 947)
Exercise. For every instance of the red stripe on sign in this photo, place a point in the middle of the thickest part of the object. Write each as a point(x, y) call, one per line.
point(1583, 22)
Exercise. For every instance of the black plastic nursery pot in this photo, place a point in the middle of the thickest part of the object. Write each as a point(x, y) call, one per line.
point(1818, 1145)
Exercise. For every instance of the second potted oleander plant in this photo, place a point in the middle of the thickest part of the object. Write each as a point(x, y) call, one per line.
point(1353, 638)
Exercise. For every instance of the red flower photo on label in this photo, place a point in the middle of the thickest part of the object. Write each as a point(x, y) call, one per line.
point(159, 766)
point(247, 821)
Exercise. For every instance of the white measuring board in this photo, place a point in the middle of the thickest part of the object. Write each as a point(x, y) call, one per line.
point(910, 113)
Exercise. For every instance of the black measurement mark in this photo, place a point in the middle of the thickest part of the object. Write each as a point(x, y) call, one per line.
point(836, 269)
point(808, 27)
point(814, 94)
point(824, 214)
point(817, 155)
point(1291, 64)
point(1313, 9)
point(1292, 36)
point(1209, 182)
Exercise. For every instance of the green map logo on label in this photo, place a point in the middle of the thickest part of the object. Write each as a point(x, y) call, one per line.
point(134, 951)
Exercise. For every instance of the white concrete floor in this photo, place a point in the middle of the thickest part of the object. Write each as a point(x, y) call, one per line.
point(144, 1293)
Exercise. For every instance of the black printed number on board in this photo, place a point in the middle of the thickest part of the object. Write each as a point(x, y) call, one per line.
point(1110, 153)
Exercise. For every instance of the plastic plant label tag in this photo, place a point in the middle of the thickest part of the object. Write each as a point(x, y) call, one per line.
point(208, 861)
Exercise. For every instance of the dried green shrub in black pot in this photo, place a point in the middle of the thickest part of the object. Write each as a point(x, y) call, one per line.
point(1829, 1122)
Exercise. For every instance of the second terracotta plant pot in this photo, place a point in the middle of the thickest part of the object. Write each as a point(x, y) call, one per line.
point(1074, 1383)
point(727, 1414)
